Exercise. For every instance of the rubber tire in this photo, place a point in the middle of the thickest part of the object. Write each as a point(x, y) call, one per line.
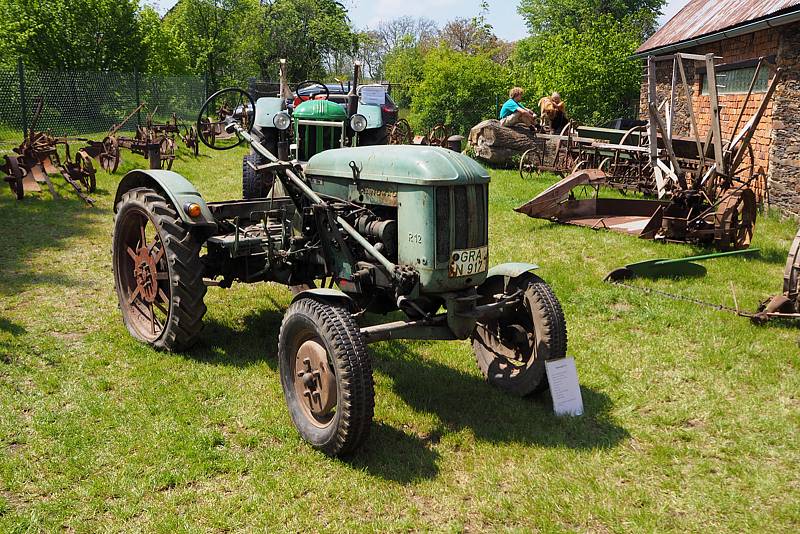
point(186, 311)
point(550, 328)
point(341, 337)
point(375, 136)
point(253, 184)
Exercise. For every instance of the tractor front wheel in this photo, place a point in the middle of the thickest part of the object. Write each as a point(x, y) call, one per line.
point(511, 351)
point(157, 272)
point(326, 376)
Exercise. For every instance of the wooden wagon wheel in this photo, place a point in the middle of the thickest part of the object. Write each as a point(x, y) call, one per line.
point(564, 158)
point(166, 151)
point(109, 157)
point(15, 176)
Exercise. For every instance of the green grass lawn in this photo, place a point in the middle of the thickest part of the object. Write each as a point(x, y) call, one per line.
point(692, 416)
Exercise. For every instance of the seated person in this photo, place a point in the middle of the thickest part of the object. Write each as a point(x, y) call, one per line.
point(513, 112)
point(553, 112)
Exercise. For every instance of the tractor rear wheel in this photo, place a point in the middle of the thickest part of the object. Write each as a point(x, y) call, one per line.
point(326, 375)
point(254, 184)
point(157, 272)
point(511, 351)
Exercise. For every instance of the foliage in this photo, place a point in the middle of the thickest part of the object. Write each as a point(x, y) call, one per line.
point(457, 89)
point(555, 16)
point(69, 35)
point(305, 31)
point(209, 36)
point(403, 67)
point(592, 69)
point(165, 51)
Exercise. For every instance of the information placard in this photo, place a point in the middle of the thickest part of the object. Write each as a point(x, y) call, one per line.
point(564, 387)
point(373, 94)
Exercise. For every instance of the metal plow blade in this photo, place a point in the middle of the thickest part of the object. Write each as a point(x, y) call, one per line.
point(560, 203)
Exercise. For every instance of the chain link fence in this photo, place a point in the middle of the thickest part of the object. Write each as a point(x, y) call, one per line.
point(87, 103)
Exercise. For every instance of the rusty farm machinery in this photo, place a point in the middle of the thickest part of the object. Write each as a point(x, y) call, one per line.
point(704, 183)
point(38, 157)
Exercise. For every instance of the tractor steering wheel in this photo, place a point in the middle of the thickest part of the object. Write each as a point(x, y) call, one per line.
point(220, 112)
point(299, 99)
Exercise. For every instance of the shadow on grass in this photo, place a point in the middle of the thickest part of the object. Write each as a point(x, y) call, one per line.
point(459, 400)
point(12, 328)
point(255, 340)
point(463, 400)
point(39, 223)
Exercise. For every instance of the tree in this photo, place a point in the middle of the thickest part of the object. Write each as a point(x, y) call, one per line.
point(406, 31)
point(307, 32)
point(549, 16)
point(404, 68)
point(457, 89)
point(211, 34)
point(165, 54)
point(73, 35)
point(591, 68)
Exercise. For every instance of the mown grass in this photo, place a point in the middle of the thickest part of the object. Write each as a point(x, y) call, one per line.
point(691, 422)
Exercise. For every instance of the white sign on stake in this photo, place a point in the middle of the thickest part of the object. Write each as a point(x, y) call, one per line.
point(373, 94)
point(564, 387)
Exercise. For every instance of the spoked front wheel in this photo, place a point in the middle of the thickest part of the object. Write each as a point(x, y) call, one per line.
point(157, 272)
point(326, 376)
point(511, 351)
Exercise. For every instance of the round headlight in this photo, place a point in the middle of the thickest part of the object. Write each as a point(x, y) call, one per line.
point(358, 123)
point(282, 120)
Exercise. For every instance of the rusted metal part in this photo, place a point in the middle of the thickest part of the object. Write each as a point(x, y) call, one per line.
point(315, 382)
point(787, 304)
point(144, 287)
point(700, 17)
point(400, 133)
point(37, 157)
point(707, 199)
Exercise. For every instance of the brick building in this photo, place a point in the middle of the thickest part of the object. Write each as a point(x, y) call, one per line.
point(740, 32)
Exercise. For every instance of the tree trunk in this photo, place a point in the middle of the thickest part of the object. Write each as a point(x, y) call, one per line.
point(499, 144)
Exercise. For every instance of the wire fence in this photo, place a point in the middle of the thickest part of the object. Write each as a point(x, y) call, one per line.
point(85, 103)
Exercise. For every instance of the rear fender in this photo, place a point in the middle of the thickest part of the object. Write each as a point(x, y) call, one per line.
point(176, 189)
point(326, 295)
point(499, 276)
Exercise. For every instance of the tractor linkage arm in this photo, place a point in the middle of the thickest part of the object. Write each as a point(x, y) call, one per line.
point(394, 270)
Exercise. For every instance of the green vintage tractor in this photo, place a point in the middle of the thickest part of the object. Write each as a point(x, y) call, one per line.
point(393, 229)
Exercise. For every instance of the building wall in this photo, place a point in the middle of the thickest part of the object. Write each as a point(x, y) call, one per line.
point(781, 43)
point(784, 172)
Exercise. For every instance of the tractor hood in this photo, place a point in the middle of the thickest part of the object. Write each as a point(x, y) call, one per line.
point(404, 164)
point(320, 110)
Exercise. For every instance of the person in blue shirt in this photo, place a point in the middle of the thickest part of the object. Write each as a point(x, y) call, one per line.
point(513, 112)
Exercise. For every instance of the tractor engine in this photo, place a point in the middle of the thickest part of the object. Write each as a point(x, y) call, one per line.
point(427, 208)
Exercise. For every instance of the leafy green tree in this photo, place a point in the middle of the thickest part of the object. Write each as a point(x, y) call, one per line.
point(549, 16)
point(457, 89)
point(211, 35)
point(165, 53)
point(306, 32)
point(591, 68)
point(72, 35)
point(403, 66)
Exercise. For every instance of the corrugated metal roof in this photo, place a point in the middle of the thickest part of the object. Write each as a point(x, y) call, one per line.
point(703, 17)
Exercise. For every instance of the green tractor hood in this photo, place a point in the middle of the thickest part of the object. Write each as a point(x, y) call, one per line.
point(320, 110)
point(401, 164)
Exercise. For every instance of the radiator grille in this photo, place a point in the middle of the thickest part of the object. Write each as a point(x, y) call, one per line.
point(467, 226)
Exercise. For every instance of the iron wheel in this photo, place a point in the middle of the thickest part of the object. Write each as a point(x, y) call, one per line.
point(157, 272)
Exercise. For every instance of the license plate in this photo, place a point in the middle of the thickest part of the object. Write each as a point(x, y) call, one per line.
point(468, 261)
